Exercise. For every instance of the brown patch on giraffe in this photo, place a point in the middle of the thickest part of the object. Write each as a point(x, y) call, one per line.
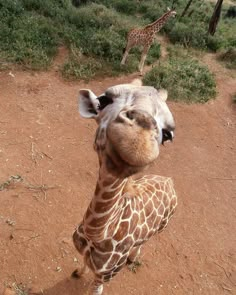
point(151, 218)
point(125, 245)
point(122, 261)
point(97, 222)
point(133, 223)
point(161, 209)
point(142, 216)
point(162, 225)
point(108, 181)
point(127, 212)
point(137, 233)
point(173, 202)
point(151, 188)
point(105, 245)
point(165, 200)
point(101, 207)
point(95, 232)
point(87, 258)
point(113, 261)
point(144, 230)
point(99, 259)
point(97, 190)
point(121, 232)
point(157, 221)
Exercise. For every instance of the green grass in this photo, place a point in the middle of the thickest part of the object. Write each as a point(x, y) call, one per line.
point(32, 30)
point(184, 78)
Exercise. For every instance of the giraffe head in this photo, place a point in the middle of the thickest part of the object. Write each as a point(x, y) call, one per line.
point(133, 120)
point(171, 11)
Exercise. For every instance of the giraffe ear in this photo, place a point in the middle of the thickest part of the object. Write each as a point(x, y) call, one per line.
point(88, 104)
point(163, 94)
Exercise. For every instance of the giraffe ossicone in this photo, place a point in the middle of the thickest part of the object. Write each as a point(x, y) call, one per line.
point(145, 37)
point(124, 212)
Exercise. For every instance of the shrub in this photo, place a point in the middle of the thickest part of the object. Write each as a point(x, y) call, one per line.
point(154, 53)
point(31, 41)
point(188, 36)
point(79, 67)
point(185, 79)
point(125, 6)
point(103, 43)
point(215, 43)
point(229, 58)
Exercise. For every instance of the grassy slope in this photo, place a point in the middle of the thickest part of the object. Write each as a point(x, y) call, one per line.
point(95, 34)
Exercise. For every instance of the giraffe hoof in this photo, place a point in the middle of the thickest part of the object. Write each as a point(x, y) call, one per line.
point(76, 274)
point(133, 265)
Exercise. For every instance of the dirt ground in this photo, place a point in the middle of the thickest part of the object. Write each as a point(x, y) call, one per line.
point(46, 150)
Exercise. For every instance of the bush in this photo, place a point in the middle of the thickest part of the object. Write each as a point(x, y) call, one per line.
point(125, 6)
point(188, 36)
point(229, 58)
point(104, 43)
point(185, 79)
point(31, 41)
point(214, 43)
point(154, 53)
point(79, 67)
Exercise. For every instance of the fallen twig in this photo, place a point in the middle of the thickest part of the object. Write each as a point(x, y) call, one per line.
point(11, 179)
point(228, 276)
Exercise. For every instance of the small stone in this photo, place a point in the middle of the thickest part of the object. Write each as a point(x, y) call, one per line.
point(10, 222)
point(58, 269)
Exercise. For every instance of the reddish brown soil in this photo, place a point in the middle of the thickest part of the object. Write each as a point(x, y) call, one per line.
point(44, 140)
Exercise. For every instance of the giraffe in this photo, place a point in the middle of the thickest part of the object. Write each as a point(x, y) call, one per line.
point(145, 37)
point(125, 212)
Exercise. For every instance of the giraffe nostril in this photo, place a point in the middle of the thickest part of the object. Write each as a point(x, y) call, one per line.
point(130, 115)
point(167, 135)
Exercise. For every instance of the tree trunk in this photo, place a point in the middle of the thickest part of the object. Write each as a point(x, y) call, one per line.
point(186, 8)
point(215, 17)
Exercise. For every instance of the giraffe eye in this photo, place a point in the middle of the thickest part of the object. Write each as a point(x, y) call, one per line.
point(104, 101)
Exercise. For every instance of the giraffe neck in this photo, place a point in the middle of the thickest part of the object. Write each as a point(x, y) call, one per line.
point(158, 24)
point(105, 206)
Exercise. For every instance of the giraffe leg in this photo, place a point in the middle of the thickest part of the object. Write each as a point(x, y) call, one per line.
point(97, 287)
point(124, 57)
point(127, 49)
point(143, 58)
point(133, 255)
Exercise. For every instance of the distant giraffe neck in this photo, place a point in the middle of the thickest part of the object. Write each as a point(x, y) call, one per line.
point(105, 207)
point(158, 24)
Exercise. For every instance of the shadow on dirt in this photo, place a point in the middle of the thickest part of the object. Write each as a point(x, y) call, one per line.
point(68, 286)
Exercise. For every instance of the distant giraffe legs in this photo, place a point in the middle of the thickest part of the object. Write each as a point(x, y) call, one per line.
point(143, 58)
point(127, 49)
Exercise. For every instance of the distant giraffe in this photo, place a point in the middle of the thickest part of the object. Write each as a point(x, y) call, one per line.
point(124, 213)
point(145, 37)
